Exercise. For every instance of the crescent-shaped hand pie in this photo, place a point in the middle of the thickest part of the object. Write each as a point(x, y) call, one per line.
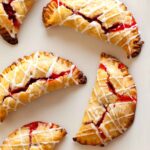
point(108, 20)
point(32, 76)
point(34, 136)
point(112, 105)
point(12, 14)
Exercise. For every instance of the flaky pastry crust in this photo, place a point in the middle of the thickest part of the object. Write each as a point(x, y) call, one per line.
point(112, 105)
point(108, 20)
point(32, 76)
point(34, 136)
point(12, 14)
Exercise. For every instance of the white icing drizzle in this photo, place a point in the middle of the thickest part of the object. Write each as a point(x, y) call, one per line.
point(97, 133)
point(106, 132)
point(94, 113)
point(104, 114)
point(22, 5)
point(21, 136)
point(109, 6)
point(50, 71)
point(12, 30)
point(12, 33)
point(31, 69)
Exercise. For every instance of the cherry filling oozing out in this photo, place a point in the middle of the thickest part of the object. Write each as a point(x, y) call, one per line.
point(121, 66)
point(32, 80)
point(121, 98)
point(11, 13)
point(121, 26)
point(32, 127)
point(100, 122)
point(114, 28)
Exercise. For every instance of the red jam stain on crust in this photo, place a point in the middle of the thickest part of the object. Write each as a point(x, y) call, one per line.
point(55, 76)
point(103, 136)
point(114, 28)
point(122, 98)
point(121, 66)
point(101, 66)
point(31, 81)
point(58, 2)
point(120, 26)
point(32, 127)
point(11, 13)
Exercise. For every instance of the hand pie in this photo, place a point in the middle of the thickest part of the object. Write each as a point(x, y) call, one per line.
point(108, 20)
point(12, 14)
point(112, 105)
point(35, 136)
point(34, 75)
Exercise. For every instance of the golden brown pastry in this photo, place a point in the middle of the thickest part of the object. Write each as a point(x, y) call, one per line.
point(108, 20)
point(34, 75)
point(12, 14)
point(34, 136)
point(112, 105)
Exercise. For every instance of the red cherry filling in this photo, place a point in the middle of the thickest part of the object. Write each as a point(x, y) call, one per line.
point(122, 98)
point(101, 66)
point(121, 66)
point(32, 127)
point(120, 26)
point(11, 13)
point(114, 28)
point(58, 2)
point(103, 136)
point(31, 81)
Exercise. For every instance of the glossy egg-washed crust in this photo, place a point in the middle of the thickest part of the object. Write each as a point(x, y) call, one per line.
point(108, 20)
point(12, 14)
point(32, 76)
point(112, 105)
point(34, 136)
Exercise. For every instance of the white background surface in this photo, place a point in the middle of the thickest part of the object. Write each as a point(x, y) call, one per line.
point(66, 106)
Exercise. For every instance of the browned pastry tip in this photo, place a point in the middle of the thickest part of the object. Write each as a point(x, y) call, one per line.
point(7, 37)
point(13, 12)
point(47, 10)
point(82, 78)
point(137, 47)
